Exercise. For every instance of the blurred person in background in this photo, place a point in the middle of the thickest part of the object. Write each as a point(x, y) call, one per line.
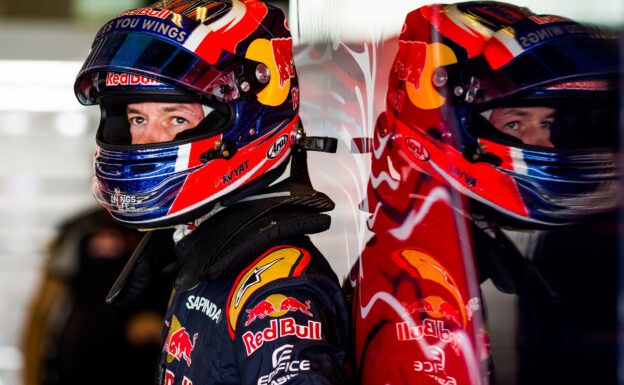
point(72, 334)
point(199, 125)
point(496, 158)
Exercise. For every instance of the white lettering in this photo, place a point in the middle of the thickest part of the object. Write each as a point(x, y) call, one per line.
point(283, 367)
point(205, 306)
point(287, 326)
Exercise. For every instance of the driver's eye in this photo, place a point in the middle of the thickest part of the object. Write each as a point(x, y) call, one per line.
point(136, 120)
point(511, 125)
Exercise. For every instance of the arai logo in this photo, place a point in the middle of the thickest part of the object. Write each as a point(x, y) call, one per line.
point(277, 147)
point(417, 149)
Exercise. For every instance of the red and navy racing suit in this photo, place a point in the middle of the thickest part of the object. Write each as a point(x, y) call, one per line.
point(256, 302)
point(279, 319)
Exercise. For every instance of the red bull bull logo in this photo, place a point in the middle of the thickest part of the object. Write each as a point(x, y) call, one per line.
point(435, 307)
point(282, 54)
point(413, 56)
point(178, 344)
point(276, 305)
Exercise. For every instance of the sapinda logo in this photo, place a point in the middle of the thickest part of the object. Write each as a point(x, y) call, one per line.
point(277, 147)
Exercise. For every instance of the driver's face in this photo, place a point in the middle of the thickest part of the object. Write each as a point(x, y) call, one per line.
point(152, 122)
point(529, 124)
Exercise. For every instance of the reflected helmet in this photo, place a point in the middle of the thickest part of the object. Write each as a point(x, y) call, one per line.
point(234, 57)
point(517, 111)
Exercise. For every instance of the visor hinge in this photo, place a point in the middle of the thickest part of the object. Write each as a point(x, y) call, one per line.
point(224, 149)
point(474, 94)
point(475, 152)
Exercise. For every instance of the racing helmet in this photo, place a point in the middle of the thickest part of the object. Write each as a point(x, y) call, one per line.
point(234, 57)
point(465, 78)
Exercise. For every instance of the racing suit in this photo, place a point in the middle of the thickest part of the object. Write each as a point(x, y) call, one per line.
point(255, 302)
point(275, 321)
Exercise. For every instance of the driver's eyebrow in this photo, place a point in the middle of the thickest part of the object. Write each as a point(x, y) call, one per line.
point(176, 108)
point(168, 109)
point(516, 112)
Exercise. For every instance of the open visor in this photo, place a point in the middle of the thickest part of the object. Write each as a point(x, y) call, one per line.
point(568, 124)
point(150, 56)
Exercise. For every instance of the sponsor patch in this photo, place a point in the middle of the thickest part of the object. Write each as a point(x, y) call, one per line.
point(428, 328)
point(178, 344)
point(282, 54)
point(166, 24)
point(170, 377)
point(284, 367)
point(115, 79)
point(592, 85)
point(205, 306)
point(281, 328)
point(417, 149)
point(422, 266)
point(435, 307)
point(276, 305)
point(277, 147)
point(123, 202)
point(279, 262)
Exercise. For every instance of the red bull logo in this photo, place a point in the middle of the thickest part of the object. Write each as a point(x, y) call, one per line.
point(114, 79)
point(413, 55)
point(170, 378)
point(161, 14)
point(435, 307)
point(428, 328)
point(285, 327)
point(295, 97)
point(178, 344)
point(545, 19)
point(282, 54)
point(276, 305)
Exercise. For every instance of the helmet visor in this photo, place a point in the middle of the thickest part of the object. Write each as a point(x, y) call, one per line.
point(567, 124)
point(156, 58)
point(556, 61)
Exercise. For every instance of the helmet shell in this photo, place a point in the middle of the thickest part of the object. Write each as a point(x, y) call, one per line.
point(456, 61)
point(232, 55)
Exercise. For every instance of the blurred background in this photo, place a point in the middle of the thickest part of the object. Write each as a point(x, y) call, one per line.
point(47, 137)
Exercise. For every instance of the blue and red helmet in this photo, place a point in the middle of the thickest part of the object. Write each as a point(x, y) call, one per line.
point(458, 63)
point(232, 56)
